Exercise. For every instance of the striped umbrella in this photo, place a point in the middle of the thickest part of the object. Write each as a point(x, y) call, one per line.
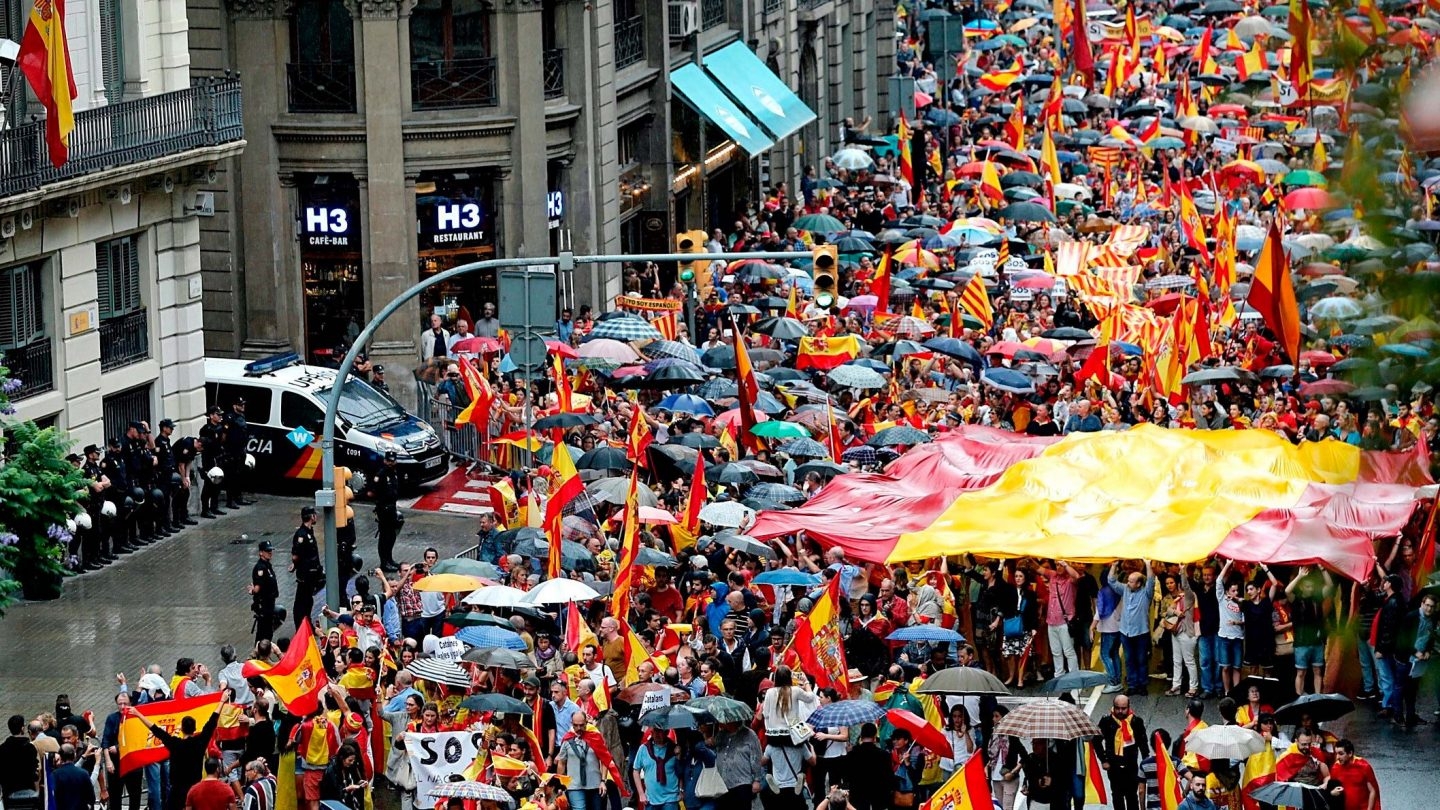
point(439, 672)
point(474, 791)
point(625, 330)
point(845, 713)
point(673, 348)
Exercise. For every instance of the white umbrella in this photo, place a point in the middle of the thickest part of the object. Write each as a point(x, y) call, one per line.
point(496, 596)
point(1315, 241)
point(1225, 742)
point(1199, 123)
point(1336, 308)
point(560, 591)
point(730, 514)
point(852, 159)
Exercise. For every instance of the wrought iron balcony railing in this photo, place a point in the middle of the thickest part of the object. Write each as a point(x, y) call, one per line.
point(437, 84)
point(321, 87)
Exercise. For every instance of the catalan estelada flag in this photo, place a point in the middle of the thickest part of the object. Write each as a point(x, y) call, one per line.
point(138, 747)
point(967, 789)
point(45, 62)
point(300, 676)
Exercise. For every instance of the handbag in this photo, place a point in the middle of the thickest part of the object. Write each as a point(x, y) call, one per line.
point(801, 732)
point(710, 785)
point(1014, 626)
point(899, 799)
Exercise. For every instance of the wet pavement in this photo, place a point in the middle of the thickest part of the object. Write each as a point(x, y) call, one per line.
point(186, 596)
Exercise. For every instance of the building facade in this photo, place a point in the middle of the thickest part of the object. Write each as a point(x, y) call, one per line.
point(100, 285)
point(392, 139)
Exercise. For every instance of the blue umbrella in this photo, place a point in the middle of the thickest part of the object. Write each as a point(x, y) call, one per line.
point(956, 348)
point(625, 330)
point(786, 577)
point(925, 632)
point(846, 713)
point(673, 348)
point(780, 493)
point(686, 403)
point(1007, 380)
point(1081, 679)
point(873, 365)
point(490, 637)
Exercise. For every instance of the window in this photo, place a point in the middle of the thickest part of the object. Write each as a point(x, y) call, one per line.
point(128, 406)
point(21, 321)
point(117, 264)
point(629, 143)
point(112, 49)
point(299, 411)
point(447, 30)
point(13, 16)
point(257, 400)
point(322, 31)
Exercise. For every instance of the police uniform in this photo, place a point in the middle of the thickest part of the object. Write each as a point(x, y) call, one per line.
point(212, 455)
point(92, 540)
point(385, 488)
point(165, 479)
point(379, 384)
point(309, 572)
point(117, 528)
point(140, 472)
point(267, 591)
point(183, 453)
point(237, 439)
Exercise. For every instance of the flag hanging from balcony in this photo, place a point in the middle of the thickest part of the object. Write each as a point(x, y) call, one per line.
point(45, 61)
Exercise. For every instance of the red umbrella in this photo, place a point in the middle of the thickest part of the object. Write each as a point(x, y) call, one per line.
point(1326, 388)
point(1227, 109)
point(1036, 281)
point(1007, 348)
point(1318, 358)
point(476, 345)
point(1308, 198)
point(924, 734)
point(565, 350)
point(1165, 304)
point(923, 99)
point(725, 419)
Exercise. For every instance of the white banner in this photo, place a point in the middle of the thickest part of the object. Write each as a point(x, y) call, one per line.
point(449, 648)
point(434, 758)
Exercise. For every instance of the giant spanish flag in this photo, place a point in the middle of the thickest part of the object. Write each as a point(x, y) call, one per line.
point(138, 747)
point(967, 789)
point(300, 676)
point(568, 486)
point(817, 645)
point(1272, 294)
point(45, 61)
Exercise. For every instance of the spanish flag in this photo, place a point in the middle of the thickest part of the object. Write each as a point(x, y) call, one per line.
point(1050, 158)
point(629, 548)
point(1094, 782)
point(880, 284)
point(1015, 129)
point(826, 352)
point(976, 301)
point(300, 676)
point(907, 166)
point(687, 531)
point(1167, 780)
point(998, 80)
point(792, 305)
point(138, 747)
point(639, 438)
point(1273, 294)
point(45, 61)
point(480, 393)
point(1252, 62)
point(748, 389)
point(817, 647)
point(564, 397)
point(635, 655)
point(568, 486)
point(967, 789)
point(990, 183)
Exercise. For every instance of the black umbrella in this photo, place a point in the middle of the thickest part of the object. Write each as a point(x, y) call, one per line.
point(666, 718)
point(699, 441)
point(1320, 708)
point(1272, 691)
point(603, 458)
point(493, 702)
point(781, 328)
point(719, 357)
point(572, 554)
point(1292, 794)
point(566, 420)
point(730, 474)
point(1066, 333)
point(826, 469)
point(1209, 376)
point(1026, 212)
point(512, 537)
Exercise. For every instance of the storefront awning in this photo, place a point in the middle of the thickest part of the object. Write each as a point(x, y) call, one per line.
point(698, 90)
point(758, 90)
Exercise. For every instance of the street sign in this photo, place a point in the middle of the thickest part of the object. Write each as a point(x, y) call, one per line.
point(527, 352)
point(300, 437)
point(527, 299)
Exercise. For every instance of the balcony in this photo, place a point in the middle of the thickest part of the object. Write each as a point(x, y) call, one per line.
point(554, 68)
point(629, 41)
point(33, 366)
point(440, 84)
point(124, 339)
point(815, 10)
point(321, 87)
point(142, 129)
point(713, 13)
point(774, 6)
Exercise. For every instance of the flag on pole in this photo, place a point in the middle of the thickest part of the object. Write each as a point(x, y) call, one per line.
point(687, 530)
point(567, 486)
point(990, 183)
point(1167, 780)
point(1015, 129)
point(998, 80)
point(564, 397)
point(880, 284)
point(482, 397)
point(907, 168)
point(299, 678)
point(1050, 158)
point(792, 306)
point(976, 301)
point(1272, 293)
point(44, 59)
point(629, 548)
point(640, 437)
point(1081, 57)
point(139, 747)
point(749, 391)
point(817, 647)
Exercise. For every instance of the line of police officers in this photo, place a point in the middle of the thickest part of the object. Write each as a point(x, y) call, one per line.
point(139, 491)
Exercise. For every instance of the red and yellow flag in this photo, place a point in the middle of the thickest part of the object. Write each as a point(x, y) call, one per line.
point(635, 655)
point(687, 530)
point(997, 80)
point(907, 167)
point(990, 183)
point(1050, 158)
point(45, 60)
point(299, 677)
point(567, 486)
point(976, 301)
point(880, 284)
point(629, 548)
point(826, 352)
point(480, 393)
point(1272, 294)
point(792, 305)
point(817, 647)
point(967, 789)
point(749, 390)
point(1094, 781)
point(564, 396)
point(640, 437)
point(1015, 129)
point(1167, 780)
point(139, 747)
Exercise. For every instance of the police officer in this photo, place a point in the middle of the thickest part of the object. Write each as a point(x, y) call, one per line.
point(212, 455)
point(264, 591)
point(118, 493)
point(237, 439)
point(377, 379)
point(140, 472)
point(93, 540)
point(166, 477)
point(183, 453)
point(305, 564)
point(385, 489)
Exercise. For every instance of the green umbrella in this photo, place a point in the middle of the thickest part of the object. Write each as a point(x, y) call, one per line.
point(1304, 177)
point(1066, 206)
point(1026, 212)
point(819, 223)
point(1011, 39)
point(776, 429)
point(723, 709)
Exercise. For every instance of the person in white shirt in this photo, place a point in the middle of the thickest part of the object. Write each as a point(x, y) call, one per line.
point(462, 332)
point(595, 669)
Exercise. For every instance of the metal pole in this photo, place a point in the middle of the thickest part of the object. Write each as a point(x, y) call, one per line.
point(325, 497)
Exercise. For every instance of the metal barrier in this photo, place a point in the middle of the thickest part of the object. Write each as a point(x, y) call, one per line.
point(461, 442)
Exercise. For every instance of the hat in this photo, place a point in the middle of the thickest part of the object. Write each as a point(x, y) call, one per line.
point(114, 441)
point(345, 618)
point(854, 675)
point(390, 455)
point(91, 448)
point(164, 423)
point(238, 401)
point(1313, 404)
point(699, 562)
point(213, 409)
point(377, 369)
point(532, 682)
point(137, 425)
point(266, 545)
point(72, 458)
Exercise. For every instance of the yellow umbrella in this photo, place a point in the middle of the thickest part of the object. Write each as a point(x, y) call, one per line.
point(449, 583)
point(917, 256)
point(1022, 25)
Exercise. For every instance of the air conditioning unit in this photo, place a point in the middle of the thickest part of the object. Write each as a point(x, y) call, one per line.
point(684, 18)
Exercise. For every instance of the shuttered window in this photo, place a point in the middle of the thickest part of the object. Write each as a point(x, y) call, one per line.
point(112, 49)
point(21, 322)
point(15, 99)
point(117, 266)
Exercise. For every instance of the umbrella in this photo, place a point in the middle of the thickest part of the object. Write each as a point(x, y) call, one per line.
point(1337, 308)
point(956, 348)
point(730, 474)
point(496, 657)
point(745, 544)
point(804, 448)
point(1081, 679)
point(1225, 742)
point(1326, 388)
point(476, 345)
point(1067, 333)
point(1048, 720)
point(845, 713)
point(448, 583)
point(1272, 691)
point(760, 468)
point(572, 554)
point(697, 441)
point(1026, 212)
point(1308, 198)
point(468, 567)
point(1321, 708)
point(496, 596)
point(1210, 376)
point(481, 636)
point(603, 458)
point(615, 490)
point(780, 430)
point(781, 328)
point(673, 348)
point(439, 672)
point(926, 632)
point(686, 403)
point(566, 420)
point(849, 376)
point(787, 577)
point(963, 681)
point(613, 351)
point(729, 514)
point(654, 557)
point(474, 791)
point(860, 455)
point(560, 591)
point(494, 702)
point(666, 718)
point(821, 223)
point(825, 469)
point(625, 329)
point(1296, 795)
point(654, 516)
point(721, 708)
point(899, 436)
point(779, 493)
point(853, 160)
point(1007, 380)
point(924, 734)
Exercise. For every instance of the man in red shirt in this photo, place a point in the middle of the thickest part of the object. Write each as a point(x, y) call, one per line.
point(1361, 789)
point(665, 598)
point(210, 793)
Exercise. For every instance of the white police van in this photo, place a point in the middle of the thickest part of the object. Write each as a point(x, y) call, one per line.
point(285, 408)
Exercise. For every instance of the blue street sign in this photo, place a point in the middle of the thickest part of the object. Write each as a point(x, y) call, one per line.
point(300, 437)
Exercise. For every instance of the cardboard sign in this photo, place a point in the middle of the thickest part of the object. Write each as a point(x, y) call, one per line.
point(434, 758)
point(449, 649)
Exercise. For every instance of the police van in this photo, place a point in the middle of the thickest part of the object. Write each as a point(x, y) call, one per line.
point(285, 408)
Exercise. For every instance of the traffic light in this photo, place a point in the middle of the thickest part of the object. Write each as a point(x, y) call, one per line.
point(696, 271)
point(825, 263)
point(344, 513)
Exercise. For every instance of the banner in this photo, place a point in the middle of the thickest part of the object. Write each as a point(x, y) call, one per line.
point(434, 758)
point(139, 747)
point(648, 304)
